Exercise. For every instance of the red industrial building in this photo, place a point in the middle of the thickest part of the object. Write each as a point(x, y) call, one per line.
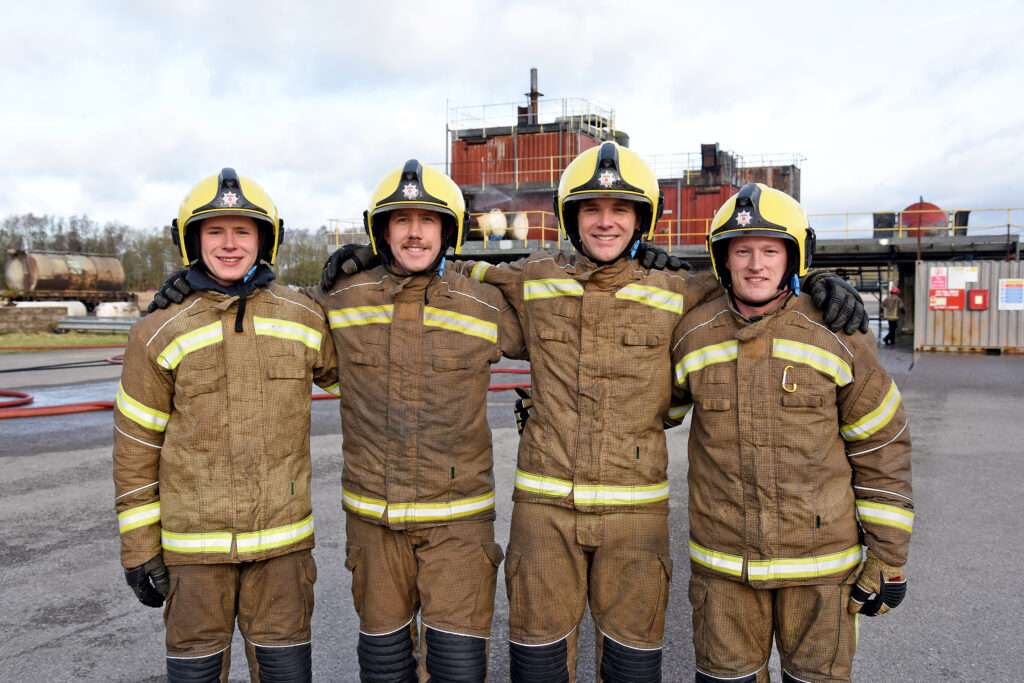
point(508, 159)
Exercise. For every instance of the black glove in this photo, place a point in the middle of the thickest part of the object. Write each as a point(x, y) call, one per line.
point(349, 259)
point(842, 307)
point(651, 256)
point(879, 588)
point(522, 408)
point(150, 581)
point(174, 290)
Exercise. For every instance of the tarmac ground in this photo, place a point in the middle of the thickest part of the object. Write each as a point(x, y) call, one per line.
point(68, 615)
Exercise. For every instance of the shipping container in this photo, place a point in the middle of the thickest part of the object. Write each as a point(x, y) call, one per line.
point(945, 293)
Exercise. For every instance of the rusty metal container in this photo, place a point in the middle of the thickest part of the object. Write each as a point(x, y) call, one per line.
point(996, 328)
point(516, 159)
point(28, 271)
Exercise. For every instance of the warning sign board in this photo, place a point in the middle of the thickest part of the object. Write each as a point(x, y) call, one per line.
point(946, 299)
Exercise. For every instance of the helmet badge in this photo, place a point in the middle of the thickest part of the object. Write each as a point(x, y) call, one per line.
point(229, 199)
point(606, 179)
point(410, 191)
point(743, 218)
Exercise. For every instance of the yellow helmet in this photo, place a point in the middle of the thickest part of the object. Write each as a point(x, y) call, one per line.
point(609, 170)
point(759, 210)
point(415, 186)
point(226, 194)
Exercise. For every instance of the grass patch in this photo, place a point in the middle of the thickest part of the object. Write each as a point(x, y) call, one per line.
point(68, 339)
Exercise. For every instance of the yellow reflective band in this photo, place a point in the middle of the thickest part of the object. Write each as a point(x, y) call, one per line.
point(176, 351)
point(620, 495)
point(548, 486)
point(545, 289)
point(886, 515)
point(819, 359)
point(144, 515)
point(334, 389)
point(652, 296)
point(371, 507)
point(712, 559)
point(255, 541)
point(360, 315)
point(196, 543)
point(431, 512)
point(478, 271)
point(678, 412)
point(804, 568)
point(149, 418)
point(457, 322)
point(286, 329)
point(703, 357)
point(876, 419)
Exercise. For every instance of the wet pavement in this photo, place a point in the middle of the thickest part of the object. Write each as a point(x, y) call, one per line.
point(68, 615)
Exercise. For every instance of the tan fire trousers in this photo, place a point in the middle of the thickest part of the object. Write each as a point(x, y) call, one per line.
point(559, 558)
point(272, 600)
point(734, 624)
point(448, 573)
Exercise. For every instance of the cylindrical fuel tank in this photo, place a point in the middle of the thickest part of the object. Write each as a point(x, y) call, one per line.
point(28, 271)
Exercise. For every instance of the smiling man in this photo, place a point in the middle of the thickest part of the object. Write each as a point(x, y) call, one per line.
point(799, 455)
point(416, 343)
point(211, 445)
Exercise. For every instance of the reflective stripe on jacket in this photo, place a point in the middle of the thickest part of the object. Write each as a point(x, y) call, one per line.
point(599, 340)
point(211, 428)
point(799, 450)
point(417, 352)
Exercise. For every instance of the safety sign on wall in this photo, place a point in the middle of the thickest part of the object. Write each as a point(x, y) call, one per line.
point(946, 299)
point(952, 277)
point(1011, 295)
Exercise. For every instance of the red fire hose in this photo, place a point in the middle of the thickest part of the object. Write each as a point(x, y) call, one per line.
point(8, 408)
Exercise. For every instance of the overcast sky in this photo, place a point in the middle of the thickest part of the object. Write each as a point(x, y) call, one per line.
point(115, 109)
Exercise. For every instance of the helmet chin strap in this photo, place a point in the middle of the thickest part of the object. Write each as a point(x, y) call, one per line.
point(629, 251)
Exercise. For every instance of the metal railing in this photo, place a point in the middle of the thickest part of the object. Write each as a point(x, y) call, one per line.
point(578, 113)
point(862, 224)
point(94, 324)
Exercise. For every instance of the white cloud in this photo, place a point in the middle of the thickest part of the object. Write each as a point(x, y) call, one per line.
point(115, 109)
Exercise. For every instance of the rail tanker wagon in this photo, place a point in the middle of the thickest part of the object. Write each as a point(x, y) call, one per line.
point(49, 276)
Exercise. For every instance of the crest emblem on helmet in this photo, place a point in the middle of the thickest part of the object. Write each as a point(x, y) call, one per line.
point(229, 199)
point(410, 191)
point(743, 218)
point(606, 179)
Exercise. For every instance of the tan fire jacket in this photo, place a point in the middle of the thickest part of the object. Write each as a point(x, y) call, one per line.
point(599, 341)
point(893, 306)
point(211, 428)
point(799, 450)
point(414, 356)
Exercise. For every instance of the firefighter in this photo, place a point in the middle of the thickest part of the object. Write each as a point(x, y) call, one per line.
point(418, 486)
point(799, 455)
point(591, 491)
point(892, 305)
point(211, 445)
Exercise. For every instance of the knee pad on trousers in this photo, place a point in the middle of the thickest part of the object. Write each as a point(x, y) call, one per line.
point(387, 658)
point(454, 658)
point(622, 664)
point(704, 678)
point(539, 663)
point(195, 669)
point(285, 664)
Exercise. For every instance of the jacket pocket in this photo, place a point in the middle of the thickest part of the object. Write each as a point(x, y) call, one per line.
point(442, 364)
point(641, 339)
point(194, 390)
point(715, 404)
point(802, 401)
point(286, 368)
point(553, 335)
point(363, 359)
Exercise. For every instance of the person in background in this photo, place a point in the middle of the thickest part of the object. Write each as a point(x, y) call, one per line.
point(893, 307)
point(211, 445)
point(799, 455)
